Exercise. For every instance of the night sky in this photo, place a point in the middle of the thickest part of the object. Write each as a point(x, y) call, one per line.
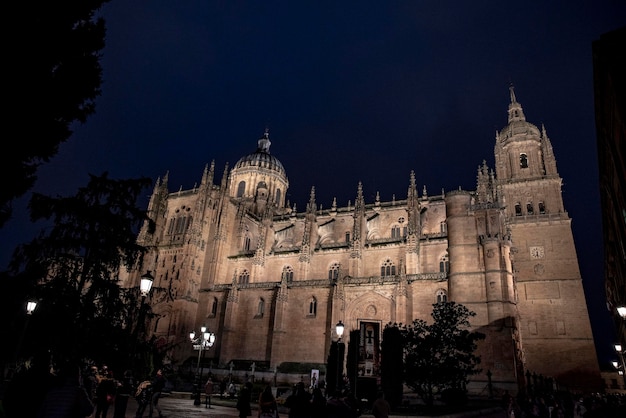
point(362, 91)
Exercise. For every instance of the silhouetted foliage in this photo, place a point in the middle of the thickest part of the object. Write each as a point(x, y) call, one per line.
point(52, 80)
point(391, 364)
point(440, 355)
point(72, 269)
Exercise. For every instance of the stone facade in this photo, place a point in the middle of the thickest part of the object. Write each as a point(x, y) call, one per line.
point(272, 281)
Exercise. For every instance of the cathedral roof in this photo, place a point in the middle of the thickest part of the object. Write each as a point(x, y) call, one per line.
point(262, 158)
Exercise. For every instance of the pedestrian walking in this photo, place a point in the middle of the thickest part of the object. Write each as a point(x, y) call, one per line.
point(158, 384)
point(243, 403)
point(268, 408)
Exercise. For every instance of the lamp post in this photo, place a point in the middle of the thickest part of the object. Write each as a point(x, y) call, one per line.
point(620, 365)
point(341, 348)
point(204, 341)
point(31, 305)
point(145, 285)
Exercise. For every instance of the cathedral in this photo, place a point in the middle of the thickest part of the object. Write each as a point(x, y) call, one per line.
point(272, 282)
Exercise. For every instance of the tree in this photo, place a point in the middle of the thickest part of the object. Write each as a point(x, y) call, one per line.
point(440, 355)
point(52, 78)
point(72, 268)
point(391, 367)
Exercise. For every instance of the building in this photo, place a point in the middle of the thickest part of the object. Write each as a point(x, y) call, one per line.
point(271, 281)
point(609, 77)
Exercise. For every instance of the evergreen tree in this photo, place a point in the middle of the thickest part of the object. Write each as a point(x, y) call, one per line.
point(440, 355)
point(52, 78)
point(72, 268)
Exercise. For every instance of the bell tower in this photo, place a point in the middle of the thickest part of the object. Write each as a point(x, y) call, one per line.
point(554, 321)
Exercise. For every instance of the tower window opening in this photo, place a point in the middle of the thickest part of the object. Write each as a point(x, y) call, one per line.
point(241, 188)
point(542, 208)
point(523, 160)
point(518, 209)
point(529, 208)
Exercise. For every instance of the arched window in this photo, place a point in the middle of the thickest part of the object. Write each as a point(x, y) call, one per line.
point(523, 160)
point(444, 264)
point(395, 232)
point(388, 268)
point(241, 188)
point(246, 243)
point(288, 273)
point(441, 296)
point(529, 208)
point(244, 277)
point(333, 272)
point(313, 307)
point(518, 209)
point(278, 196)
point(261, 307)
point(542, 208)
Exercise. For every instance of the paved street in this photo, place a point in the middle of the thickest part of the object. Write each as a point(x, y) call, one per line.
point(181, 406)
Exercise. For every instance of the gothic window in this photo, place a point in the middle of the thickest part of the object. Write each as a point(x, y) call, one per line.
point(518, 209)
point(542, 208)
point(347, 237)
point(395, 232)
point(523, 160)
point(241, 188)
point(444, 264)
point(333, 272)
point(288, 273)
point(388, 268)
point(244, 277)
point(441, 296)
point(529, 208)
point(261, 307)
point(313, 307)
point(246, 243)
point(214, 307)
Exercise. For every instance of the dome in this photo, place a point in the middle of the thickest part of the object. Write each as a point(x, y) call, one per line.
point(261, 158)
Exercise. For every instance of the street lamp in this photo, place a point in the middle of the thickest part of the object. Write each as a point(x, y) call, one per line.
point(30, 307)
point(146, 284)
point(204, 341)
point(341, 348)
point(621, 310)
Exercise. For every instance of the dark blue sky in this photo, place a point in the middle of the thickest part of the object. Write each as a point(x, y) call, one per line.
point(350, 91)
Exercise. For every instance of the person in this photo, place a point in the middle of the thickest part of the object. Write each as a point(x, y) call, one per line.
point(268, 408)
point(143, 396)
point(91, 381)
point(299, 402)
point(125, 389)
point(67, 399)
point(380, 407)
point(243, 403)
point(318, 403)
point(158, 384)
point(208, 391)
point(105, 395)
point(232, 390)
